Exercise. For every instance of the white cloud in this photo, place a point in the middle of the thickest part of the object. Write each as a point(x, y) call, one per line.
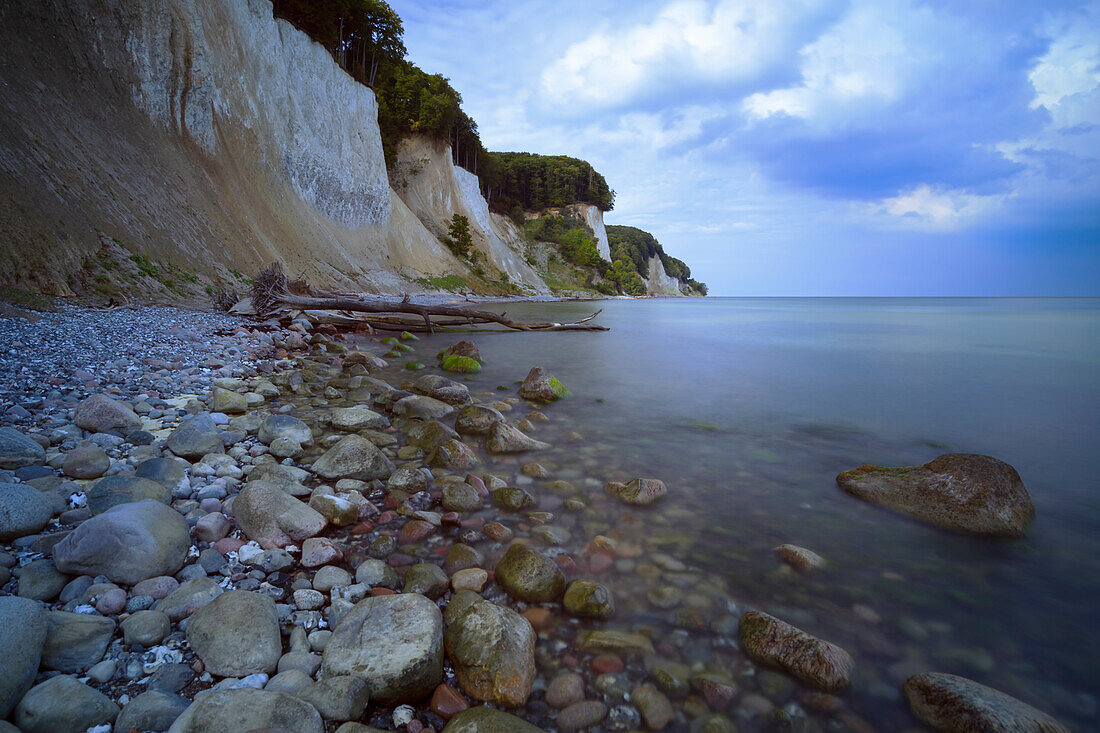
point(687, 41)
point(934, 209)
point(864, 59)
point(1070, 67)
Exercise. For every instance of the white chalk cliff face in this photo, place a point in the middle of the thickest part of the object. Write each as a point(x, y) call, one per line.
point(660, 282)
point(200, 132)
point(593, 217)
point(435, 189)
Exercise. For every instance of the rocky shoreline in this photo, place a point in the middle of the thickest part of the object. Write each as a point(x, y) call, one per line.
point(207, 523)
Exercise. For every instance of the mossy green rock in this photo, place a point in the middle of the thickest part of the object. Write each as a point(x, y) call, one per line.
point(488, 720)
point(429, 434)
point(543, 386)
point(228, 401)
point(406, 336)
point(529, 575)
point(389, 340)
point(414, 366)
point(460, 364)
point(590, 599)
point(959, 491)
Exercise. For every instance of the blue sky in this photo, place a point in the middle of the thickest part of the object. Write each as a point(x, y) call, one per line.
point(808, 147)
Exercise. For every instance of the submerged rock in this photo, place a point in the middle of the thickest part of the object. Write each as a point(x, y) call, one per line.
point(476, 419)
point(543, 386)
point(639, 492)
point(465, 349)
point(959, 491)
point(505, 438)
point(768, 640)
point(460, 364)
point(483, 719)
point(955, 704)
point(799, 558)
point(492, 649)
point(590, 599)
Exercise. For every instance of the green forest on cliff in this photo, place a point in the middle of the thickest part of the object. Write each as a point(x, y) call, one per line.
point(365, 37)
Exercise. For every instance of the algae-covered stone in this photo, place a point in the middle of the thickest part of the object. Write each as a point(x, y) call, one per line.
point(955, 704)
point(492, 649)
point(482, 719)
point(770, 641)
point(462, 348)
point(227, 401)
point(415, 366)
point(460, 364)
point(460, 497)
point(393, 642)
point(590, 599)
point(529, 575)
point(959, 491)
point(454, 454)
point(543, 386)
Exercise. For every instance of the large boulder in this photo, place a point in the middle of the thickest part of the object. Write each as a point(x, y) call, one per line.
point(770, 641)
point(483, 719)
point(955, 704)
point(353, 457)
point(86, 461)
point(492, 649)
point(442, 389)
point(22, 634)
point(529, 575)
point(428, 434)
point(543, 386)
point(63, 703)
point(168, 472)
point(195, 436)
point(959, 491)
point(228, 401)
point(17, 450)
point(24, 510)
point(75, 641)
point(127, 543)
point(274, 518)
point(394, 642)
point(358, 417)
point(247, 709)
point(101, 414)
point(114, 490)
point(237, 634)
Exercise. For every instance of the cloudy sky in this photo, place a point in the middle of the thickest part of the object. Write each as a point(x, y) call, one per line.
point(808, 147)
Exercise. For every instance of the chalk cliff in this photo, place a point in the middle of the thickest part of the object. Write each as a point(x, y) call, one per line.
point(207, 134)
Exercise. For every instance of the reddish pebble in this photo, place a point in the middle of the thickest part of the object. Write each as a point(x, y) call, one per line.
point(451, 519)
point(414, 531)
point(415, 726)
point(570, 661)
point(447, 701)
point(566, 563)
point(362, 528)
point(385, 518)
point(478, 484)
point(473, 522)
point(497, 532)
point(600, 562)
point(382, 591)
point(605, 663)
point(538, 617)
point(228, 544)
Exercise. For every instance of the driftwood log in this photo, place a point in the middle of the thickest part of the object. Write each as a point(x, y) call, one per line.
point(271, 290)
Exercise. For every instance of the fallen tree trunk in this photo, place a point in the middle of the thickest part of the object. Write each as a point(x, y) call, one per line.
point(271, 289)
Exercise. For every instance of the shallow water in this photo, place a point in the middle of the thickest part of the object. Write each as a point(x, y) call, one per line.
point(748, 408)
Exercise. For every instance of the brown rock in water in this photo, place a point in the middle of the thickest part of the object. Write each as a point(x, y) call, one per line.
point(770, 641)
point(799, 558)
point(462, 348)
point(955, 704)
point(639, 492)
point(959, 491)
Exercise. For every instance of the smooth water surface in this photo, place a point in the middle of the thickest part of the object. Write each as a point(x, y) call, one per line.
point(748, 408)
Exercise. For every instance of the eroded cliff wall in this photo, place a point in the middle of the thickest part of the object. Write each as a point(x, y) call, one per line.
point(435, 189)
point(201, 132)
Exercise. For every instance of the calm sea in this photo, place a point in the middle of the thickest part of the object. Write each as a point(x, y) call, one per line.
point(748, 408)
